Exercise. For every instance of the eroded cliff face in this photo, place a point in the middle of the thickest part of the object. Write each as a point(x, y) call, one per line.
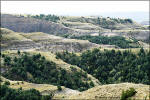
point(23, 24)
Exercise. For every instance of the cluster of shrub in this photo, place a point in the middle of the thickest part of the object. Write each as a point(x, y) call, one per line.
point(115, 40)
point(110, 24)
point(35, 68)
point(48, 17)
point(110, 66)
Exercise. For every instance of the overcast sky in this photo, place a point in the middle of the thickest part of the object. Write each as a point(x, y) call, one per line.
point(74, 8)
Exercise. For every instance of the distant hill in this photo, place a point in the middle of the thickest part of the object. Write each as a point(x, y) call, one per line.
point(23, 24)
point(65, 25)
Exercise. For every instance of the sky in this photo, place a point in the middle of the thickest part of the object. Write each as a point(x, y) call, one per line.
point(75, 8)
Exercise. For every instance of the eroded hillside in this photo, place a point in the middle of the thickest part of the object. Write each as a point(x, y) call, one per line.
point(42, 41)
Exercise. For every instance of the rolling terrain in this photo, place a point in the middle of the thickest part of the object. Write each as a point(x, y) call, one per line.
point(42, 41)
point(76, 55)
point(67, 26)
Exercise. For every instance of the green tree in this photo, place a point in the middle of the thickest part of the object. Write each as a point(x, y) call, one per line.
point(18, 52)
point(7, 83)
point(59, 88)
point(128, 93)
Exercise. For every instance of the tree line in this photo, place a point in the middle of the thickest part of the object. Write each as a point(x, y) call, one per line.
point(110, 66)
point(48, 17)
point(115, 40)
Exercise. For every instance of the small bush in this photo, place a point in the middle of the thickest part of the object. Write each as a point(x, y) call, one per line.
point(92, 84)
point(59, 88)
point(128, 93)
point(7, 83)
point(18, 83)
point(18, 52)
point(3, 55)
